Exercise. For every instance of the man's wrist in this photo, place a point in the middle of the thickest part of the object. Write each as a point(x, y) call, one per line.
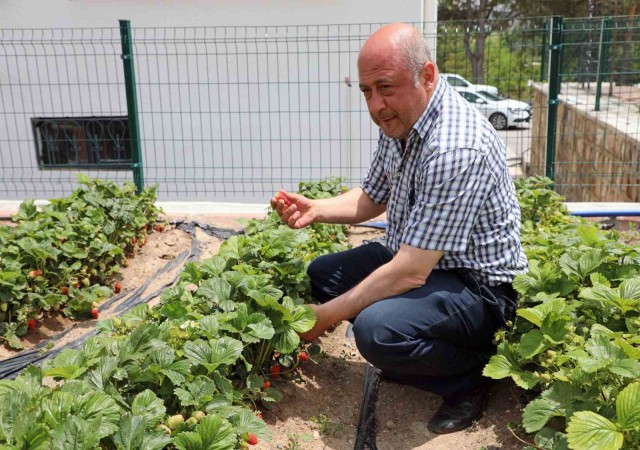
point(315, 210)
point(332, 312)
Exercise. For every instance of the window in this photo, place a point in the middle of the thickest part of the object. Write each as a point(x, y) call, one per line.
point(490, 96)
point(468, 96)
point(82, 142)
point(457, 82)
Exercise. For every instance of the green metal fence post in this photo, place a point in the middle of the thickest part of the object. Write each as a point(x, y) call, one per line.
point(554, 88)
point(603, 57)
point(545, 50)
point(132, 103)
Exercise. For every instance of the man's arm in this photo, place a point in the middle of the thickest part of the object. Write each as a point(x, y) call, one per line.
point(353, 206)
point(408, 270)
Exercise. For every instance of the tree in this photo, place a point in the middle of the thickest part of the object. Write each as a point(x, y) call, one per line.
point(479, 15)
point(476, 13)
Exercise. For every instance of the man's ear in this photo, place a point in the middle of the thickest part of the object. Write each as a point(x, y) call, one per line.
point(428, 75)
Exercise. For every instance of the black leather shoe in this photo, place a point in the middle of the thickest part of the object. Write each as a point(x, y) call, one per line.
point(457, 414)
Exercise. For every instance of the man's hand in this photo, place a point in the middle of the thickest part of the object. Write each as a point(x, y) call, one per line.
point(322, 324)
point(295, 210)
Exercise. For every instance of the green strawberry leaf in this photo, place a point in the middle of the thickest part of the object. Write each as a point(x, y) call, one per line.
point(304, 318)
point(148, 406)
point(213, 433)
point(130, 433)
point(628, 407)
point(247, 421)
point(549, 439)
point(538, 412)
point(590, 431)
point(531, 344)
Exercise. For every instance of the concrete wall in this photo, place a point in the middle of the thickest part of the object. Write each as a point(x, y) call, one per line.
point(191, 13)
point(237, 98)
point(597, 154)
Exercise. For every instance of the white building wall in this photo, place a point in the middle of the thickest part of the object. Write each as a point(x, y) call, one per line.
point(236, 98)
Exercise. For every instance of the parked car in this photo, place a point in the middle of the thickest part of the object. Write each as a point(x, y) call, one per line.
point(460, 83)
point(501, 112)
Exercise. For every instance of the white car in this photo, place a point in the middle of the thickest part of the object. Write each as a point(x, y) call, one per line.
point(460, 83)
point(502, 113)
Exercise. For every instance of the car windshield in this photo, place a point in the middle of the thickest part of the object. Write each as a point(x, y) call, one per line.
point(490, 96)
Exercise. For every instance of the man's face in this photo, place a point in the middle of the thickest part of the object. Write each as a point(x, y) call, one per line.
point(394, 99)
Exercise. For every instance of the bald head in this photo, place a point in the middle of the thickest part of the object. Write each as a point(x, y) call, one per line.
point(399, 43)
point(397, 78)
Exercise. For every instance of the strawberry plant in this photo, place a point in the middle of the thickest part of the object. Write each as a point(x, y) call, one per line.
point(576, 339)
point(188, 373)
point(61, 256)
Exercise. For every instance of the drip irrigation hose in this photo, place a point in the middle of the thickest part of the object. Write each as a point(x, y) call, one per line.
point(14, 365)
point(366, 433)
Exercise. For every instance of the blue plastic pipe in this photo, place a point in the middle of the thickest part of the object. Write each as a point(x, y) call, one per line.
point(594, 213)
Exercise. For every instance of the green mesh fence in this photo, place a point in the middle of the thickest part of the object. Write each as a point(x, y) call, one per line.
point(597, 154)
point(235, 113)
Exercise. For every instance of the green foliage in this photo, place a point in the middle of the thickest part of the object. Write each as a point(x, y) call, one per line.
point(190, 372)
point(576, 337)
point(61, 256)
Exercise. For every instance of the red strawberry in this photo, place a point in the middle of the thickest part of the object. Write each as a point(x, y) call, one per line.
point(266, 384)
point(252, 439)
point(259, 414)
point(31, 324)
point(35, 273)
point(158, 228)
point(94, 313)
point(275, 370)
point(284, 198)
point(134, 240)
point(304, 356)
point(76, 284)
point(64, 290)
point(117, 287)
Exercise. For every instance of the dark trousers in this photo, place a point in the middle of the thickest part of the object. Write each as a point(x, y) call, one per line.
point(437, 337)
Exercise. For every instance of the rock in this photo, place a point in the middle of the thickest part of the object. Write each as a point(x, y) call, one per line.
point(316, 434)
point(420, 427)
point(391, 425)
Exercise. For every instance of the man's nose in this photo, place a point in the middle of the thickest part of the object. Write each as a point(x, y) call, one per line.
point(376, 103)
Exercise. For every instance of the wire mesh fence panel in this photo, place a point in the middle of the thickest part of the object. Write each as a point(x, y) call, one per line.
point(62, 110)
point(598, 125)
point(497, 66)
point(240, 112)
point(236, 113)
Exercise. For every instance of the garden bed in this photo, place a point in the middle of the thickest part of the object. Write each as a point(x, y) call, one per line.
point(205, 322)
point(160, 249)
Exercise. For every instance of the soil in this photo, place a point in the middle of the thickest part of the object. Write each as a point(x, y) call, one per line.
point(321, 410)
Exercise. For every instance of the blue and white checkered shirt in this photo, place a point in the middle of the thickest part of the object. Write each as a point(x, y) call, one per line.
point(450, 190)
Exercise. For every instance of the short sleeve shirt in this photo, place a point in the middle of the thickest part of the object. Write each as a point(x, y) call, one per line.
point(450, 190)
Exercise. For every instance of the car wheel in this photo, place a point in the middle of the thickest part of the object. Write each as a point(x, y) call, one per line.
point(499, 121)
